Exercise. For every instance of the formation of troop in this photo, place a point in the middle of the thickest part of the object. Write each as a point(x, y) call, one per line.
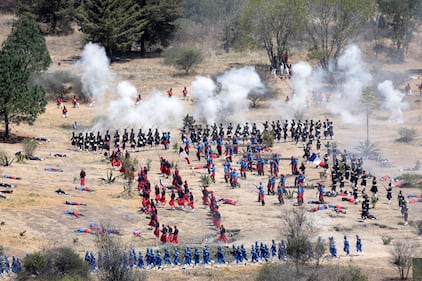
point(259, 252)
point(126, 140)
point(281, 131)
point(7, 268)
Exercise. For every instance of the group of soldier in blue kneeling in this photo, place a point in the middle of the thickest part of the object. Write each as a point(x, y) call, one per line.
point(7, 268)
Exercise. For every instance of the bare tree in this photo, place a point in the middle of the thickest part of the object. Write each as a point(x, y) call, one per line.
point(112, 266)
point(320, 248)
point(273, 24)
point(332, 23)
point(298, 230)
point(402, 256)
point(256, 97)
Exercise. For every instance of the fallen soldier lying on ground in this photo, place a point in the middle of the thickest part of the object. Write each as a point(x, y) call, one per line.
point(84, 188)
point(74, 213)
point(74, 203)
point(100, 230)
point(227, 200)
point(60, 191)
point(85, 230)
point(58, 154)
point(42, 139)
point(53, 169)
point(7, 185)
point(6, 191)
point(11, 177)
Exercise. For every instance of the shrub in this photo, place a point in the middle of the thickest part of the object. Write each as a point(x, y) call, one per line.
point(183, 58)
point(411, 179)
point(149, 161)
point(289, 193)
point(65, 261)
point(406, 134)
point(205, 180)
point(351, 273)
point(5, 159)
point(29, 146)
point(35, 264)
point(55, 264)
point(386, 240)
point(58, 83)
point(188, 121)
point(419, 228)
point(268, 138)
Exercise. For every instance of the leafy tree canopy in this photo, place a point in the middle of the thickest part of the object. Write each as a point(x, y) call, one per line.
point(160, 17)
point(18, 103)
point(115, 24)
point(402, 18)
point(57, 16)
point(26, 41)
point(183, 58)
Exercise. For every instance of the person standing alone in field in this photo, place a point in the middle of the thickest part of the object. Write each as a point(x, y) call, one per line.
point(82, 176)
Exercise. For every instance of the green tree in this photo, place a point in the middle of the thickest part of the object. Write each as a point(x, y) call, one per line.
point(402, 17)
point(160, 17)
point(331, 24)
point(57, 16)
point(18, 103)
point(26, 41)
point(114, 24)
point(272, 24)
point(183, 57)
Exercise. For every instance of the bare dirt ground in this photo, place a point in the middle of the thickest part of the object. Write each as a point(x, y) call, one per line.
point(35, 208)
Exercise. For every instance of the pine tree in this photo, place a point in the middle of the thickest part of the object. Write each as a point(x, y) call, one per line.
point(114, 24)
point(161, 16)
point(18, 103)
point(55, 16)
point(26, 41)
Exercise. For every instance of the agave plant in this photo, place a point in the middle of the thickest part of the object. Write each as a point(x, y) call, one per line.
point(5, 159)
point(289, 193)
point(368, 150)
point(205, 179)
point(109, 177)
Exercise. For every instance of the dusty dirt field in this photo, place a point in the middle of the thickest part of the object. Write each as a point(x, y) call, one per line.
point(34, 207)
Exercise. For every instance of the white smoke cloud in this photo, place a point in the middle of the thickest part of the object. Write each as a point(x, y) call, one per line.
point(354, 79)
point(313, 86)
point(393, 101)
point(155, 111)
point(96, 75)
point(231, 102)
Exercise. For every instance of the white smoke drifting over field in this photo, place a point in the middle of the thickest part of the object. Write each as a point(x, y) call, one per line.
point(98, 82)
point(228, 97)
point(393, 101)
point(96, 76)
point(313, 85)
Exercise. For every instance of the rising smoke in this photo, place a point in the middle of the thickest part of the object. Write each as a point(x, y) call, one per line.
point(225, 99)
point(99, 82)
point(96, 75)
point(393, 101)
point(314, 86)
